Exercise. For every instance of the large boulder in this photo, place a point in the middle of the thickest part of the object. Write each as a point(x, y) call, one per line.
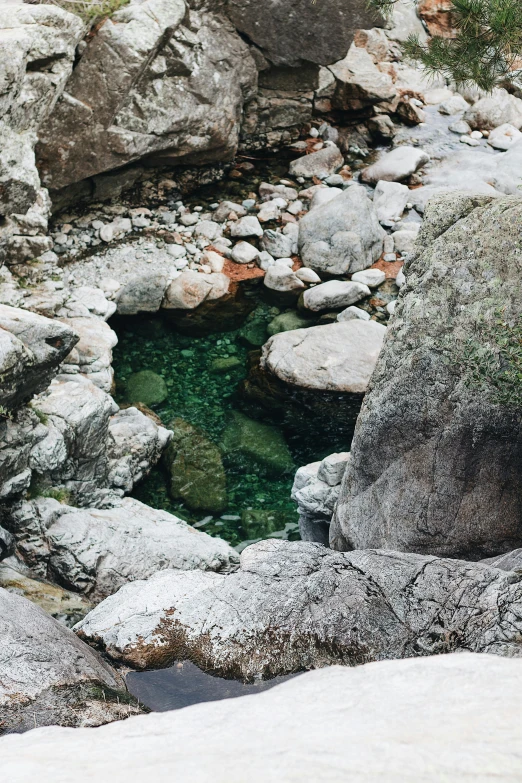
point(96, 551)
point(289, 32)
point(342, 236)
point(494, 110)
point(437, 453)
point(48, 676)
point(456, 713)
point(31, 349)
point(337, 357)
point(359, 83)
point(178, 98)
point(295, 606)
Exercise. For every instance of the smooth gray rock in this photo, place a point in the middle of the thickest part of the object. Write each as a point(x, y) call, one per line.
point(334, 294)
point(338, 356)
point(48, 675)
point(245, 227)
point(276, 243)
point(395, 166)
point(318, 164)
point(353, 312)
point(31, 349)
point(341, 236)
point(288, 32)
point(372, 278)
point(448, 481)
point(374, 715)
point(179, 98)
point(96, 551)
point(295, 606)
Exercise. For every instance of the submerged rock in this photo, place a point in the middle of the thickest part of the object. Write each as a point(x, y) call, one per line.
point(146, 387)
point(448, 481)
point(295, 606)
point(257, 442)
point(50, 677)
point(195, 468)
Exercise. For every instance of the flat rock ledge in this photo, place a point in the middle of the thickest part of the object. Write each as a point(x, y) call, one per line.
point(452, 717)
point(48, 676)
point(295, 606)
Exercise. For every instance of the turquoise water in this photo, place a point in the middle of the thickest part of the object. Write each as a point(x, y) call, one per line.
point(205, 398)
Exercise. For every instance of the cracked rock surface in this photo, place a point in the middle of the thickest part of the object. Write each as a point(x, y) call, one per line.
point(295, 606)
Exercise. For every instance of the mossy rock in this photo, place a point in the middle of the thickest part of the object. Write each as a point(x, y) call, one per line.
point(259, 523)
point(224, 364)
point(254, 332)
point(147, 387)
point(257, 442)
point(197, 476)
point(287, 322)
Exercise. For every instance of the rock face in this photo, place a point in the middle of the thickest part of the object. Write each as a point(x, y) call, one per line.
point(341, 236)
point(448, 481)
point(49, 676)
point(295, 606)
point(179, 98)
point(96, 551)
point(337, 357)
point(31, 349)
point(471, 728)
point(289, 33)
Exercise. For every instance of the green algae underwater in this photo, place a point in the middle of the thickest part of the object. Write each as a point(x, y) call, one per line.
point(229, 470)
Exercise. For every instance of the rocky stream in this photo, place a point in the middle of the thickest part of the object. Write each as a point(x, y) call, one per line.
point(260, 398)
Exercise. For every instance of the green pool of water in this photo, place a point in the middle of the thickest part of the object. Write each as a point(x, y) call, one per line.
point(258, 503)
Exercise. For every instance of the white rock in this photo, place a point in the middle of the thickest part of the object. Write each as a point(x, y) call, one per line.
point(469, 141)
point(400, 279)
point(332, 468)
point(208, 229)
point(497, 108)
point(244, 253)
point(214, 260)
point(334, 294)
point(308, 275)
point(454, 105)
point(176, 251)
point(338, 356)
point(269, 211)
point(278, 244)
point(370, 277)
point(323, 196)
point(390, 199)
point(503, 137)
point(264, 260)
point(405, 241)
point(353, 312)
point(248, 226)
point(191, 288)
point(390, 307)
point(281, 278)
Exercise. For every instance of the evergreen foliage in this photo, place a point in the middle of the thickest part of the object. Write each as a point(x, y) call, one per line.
point(487, 46)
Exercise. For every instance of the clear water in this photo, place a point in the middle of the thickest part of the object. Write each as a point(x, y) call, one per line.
point(184, 684)
point(205, 399)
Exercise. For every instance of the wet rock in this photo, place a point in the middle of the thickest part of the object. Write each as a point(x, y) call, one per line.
point(503, 137)
point(318, 164)
point(493, 110)
point(389, 200)
point(96, 551)
point(341, 236)
point(197, 476)
point(258, 442)
point(50, 677)
point(454, 400)
point(31, 349)
point(349, 708)
point(286, 322)
point(395, 166)
point(333, 295)
point(338, 356)
point(294, 606)
point(146, 387)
